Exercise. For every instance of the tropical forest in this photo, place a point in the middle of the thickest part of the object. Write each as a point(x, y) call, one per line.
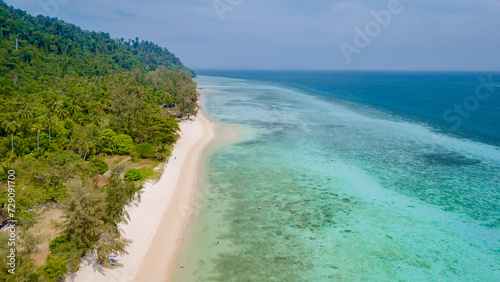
point(85, 119)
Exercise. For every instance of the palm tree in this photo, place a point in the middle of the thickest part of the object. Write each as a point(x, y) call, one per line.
point(64, 143)
point(37, 127)
point(99, 107)
point(162, 152)
point(55, 103)
point(74, 109)
point(57, 108)
point(87, 147)
point(26, 112)
point(60, 112)
point(84, 143)
point(11, 124)
point(50, 122)
point(95, 118)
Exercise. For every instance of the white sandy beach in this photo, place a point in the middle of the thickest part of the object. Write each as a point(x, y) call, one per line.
point(157, 222)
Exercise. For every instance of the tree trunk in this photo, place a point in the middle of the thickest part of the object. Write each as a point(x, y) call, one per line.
point(49, 135)
point(12, 142)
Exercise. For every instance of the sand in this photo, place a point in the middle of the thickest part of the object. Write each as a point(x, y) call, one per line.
point(157, 222)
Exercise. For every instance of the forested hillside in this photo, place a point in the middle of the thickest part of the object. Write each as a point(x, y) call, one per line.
point(69, 98)
point(31, 36)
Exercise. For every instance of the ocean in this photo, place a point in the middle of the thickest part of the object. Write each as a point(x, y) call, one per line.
point(359, 176)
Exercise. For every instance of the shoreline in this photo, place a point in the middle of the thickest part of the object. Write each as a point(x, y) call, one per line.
point(164, 247)
point(157, 222)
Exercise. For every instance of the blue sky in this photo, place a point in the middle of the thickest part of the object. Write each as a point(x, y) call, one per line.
point(297, 34)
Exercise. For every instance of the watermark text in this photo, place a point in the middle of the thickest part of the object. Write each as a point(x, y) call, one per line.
point(11, 212)
point(471, 103)
point(363, 37)
point(224, 6)
point(51, 7)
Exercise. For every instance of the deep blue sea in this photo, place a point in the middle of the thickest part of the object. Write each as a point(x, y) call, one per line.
point(360, 176)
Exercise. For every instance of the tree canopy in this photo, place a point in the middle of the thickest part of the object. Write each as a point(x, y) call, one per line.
point(67, 97)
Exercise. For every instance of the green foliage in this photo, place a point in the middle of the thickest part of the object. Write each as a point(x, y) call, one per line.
point(25, 269)
point(55, 268)
point(67, 95)
point(84, 211)
point(4, 252)
point(119, 193)
point(106, 140)
point(133, 174)
point(99, 165)
point(158, 129)
point(111, 244)
point(57, 243)
point(177, 88)
point(122, 144)
point(46, 175)
point(69, 45)
point(111, 143)
point(147, 172)
point(162, 152)
point(145, 150)
point(91, 219)
point(64, 247)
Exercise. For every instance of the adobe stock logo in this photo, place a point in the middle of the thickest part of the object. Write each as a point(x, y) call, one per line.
point(51, 7)
point(224, 6)
point(372, 29)
point(471, 103)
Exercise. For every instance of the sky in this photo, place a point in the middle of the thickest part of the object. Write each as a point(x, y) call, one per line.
point(458, 35)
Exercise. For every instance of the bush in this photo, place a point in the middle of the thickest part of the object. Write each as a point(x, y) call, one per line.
point(54, 268)
point(122, 144)
point(54, 246)
point(133, 174)
point(162, 152)
point(145, 150)
point(99, 165)
point(106, 140)
point(134, 156)
point(62, 246)
point(111, 143)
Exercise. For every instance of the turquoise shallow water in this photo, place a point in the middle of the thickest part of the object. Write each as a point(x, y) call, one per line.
point(346, 194)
